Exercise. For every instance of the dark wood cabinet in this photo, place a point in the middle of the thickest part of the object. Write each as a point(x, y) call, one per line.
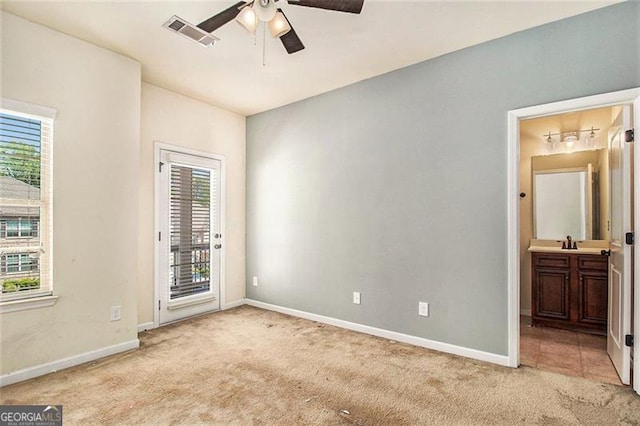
point(552, 293)
point(569, 290)
point(592, 298)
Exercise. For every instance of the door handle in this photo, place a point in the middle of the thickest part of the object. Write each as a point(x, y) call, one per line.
point(605, 252)
point(217, 246)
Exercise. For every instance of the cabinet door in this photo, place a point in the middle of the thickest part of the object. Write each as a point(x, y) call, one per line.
point(551, 293)
point(592, 298)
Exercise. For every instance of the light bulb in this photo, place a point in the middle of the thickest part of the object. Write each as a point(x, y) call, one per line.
point(570, 140)
point(591, 139)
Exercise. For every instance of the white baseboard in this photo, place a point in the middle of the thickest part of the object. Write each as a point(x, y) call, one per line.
point(525, 312)
point(146, 326)
point(391, 335)
point(52, 367)
point(234, 304)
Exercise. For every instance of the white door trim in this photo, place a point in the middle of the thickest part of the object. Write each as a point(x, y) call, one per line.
point(158, 146)
point(631, 96)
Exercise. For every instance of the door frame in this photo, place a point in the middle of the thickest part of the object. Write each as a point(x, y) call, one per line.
point(158, 146)
point(629, 96)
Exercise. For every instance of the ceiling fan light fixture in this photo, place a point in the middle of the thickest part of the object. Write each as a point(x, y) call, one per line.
point(279, 25)
point(265, 10)
point(247, 18)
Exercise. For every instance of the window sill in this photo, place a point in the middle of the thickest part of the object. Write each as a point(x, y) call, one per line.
point(30, 303)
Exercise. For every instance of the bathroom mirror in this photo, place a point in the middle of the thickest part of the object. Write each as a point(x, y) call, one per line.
point(562, 204)
point(570, 196)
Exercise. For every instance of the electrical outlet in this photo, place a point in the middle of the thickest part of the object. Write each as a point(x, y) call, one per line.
point(255, 281)
point(356, 297)
point(423, 309)
point(116, 313)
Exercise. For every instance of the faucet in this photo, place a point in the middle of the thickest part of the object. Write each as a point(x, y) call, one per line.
point(567, 244)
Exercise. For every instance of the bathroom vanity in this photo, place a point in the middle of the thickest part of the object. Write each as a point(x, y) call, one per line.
point(569, 289)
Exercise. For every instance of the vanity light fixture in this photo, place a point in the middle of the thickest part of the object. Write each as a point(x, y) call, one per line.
point(571, 138)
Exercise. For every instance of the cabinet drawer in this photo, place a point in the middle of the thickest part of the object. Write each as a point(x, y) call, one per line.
point(593, 263)
point(551, 260)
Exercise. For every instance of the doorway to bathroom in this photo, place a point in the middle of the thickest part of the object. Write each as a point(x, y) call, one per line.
point(571, 308)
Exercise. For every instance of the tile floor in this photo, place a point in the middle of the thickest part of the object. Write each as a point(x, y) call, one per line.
point(566, 352)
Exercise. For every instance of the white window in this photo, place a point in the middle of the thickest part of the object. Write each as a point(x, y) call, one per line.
point(25, 201)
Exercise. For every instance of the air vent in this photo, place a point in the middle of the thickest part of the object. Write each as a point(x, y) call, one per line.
point(190, 31)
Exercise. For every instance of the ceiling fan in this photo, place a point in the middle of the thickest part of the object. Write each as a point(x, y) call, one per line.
point(250, 13)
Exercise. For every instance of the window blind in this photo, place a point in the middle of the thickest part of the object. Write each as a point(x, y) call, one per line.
point(25, 205)
point(190, 227)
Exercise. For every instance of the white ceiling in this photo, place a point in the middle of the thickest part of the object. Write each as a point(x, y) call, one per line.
point(341, 48)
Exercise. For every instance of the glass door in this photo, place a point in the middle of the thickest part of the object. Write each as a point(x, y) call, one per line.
point(190, 236)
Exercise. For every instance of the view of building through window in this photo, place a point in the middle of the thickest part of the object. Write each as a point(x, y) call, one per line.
point(20, 203)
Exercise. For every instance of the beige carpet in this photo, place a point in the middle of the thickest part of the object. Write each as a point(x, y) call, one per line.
point(250, 366)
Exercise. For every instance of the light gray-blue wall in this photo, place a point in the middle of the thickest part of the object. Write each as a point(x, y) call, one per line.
point(397, 186)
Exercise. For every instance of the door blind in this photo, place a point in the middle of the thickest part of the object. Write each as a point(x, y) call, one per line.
point(190, 229)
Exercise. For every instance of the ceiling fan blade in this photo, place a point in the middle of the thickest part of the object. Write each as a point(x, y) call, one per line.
point(290, 40)
point(227, 15)
point(350, 6)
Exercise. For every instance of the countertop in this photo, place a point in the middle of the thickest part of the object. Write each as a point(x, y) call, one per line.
point(553, 246)
point(585, 250)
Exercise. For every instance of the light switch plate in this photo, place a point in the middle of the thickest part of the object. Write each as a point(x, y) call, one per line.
point(116, 313)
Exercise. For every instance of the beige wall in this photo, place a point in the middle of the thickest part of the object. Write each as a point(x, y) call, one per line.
point(529, 147)
point(178, 120)
point(95, 175)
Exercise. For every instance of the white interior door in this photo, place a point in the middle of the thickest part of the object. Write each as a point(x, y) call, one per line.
point(620, 273)
point(190, 239)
